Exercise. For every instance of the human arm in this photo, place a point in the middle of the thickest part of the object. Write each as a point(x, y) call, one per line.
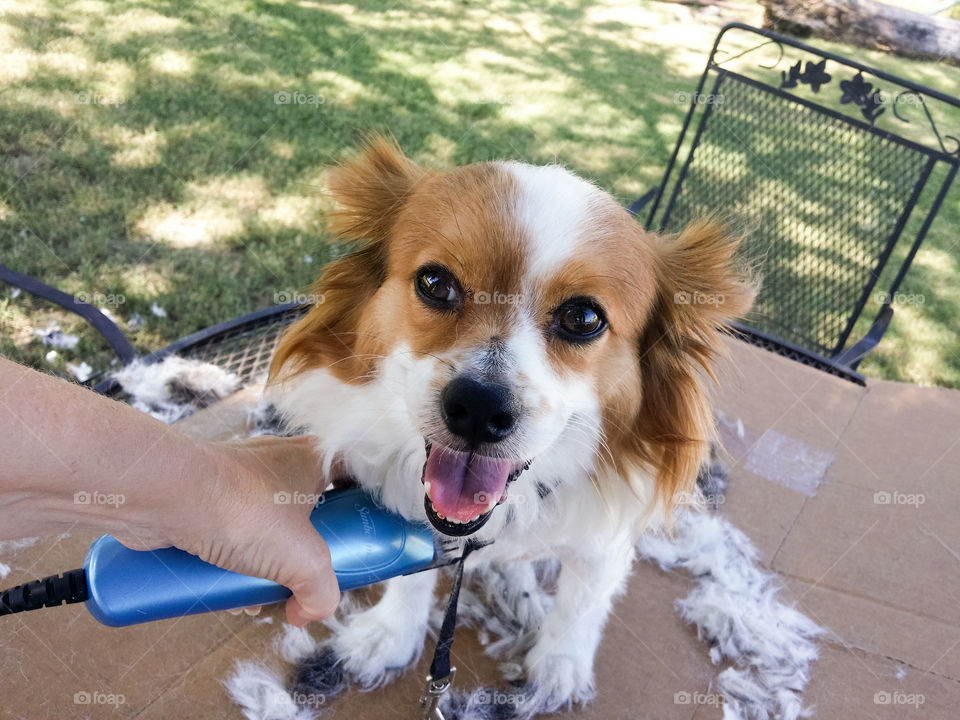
point(159, 487)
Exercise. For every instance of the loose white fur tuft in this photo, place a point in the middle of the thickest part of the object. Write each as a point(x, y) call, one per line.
point(12, 548)
point(175, 387)
point(293, 644)
point(736, 610)
point(262, 694)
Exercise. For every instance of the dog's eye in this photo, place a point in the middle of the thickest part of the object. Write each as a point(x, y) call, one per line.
point(438, 288)
point(579, 320)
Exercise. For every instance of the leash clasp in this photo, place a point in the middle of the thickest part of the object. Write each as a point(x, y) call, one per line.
point(433, 691)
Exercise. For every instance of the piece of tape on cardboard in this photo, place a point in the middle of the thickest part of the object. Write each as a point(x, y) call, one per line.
point(776, 457)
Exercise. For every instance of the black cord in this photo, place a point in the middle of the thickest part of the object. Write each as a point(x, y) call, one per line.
point(48, 592)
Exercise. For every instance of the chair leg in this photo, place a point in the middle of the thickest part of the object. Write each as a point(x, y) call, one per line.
point(641, 202)
point(852, 356)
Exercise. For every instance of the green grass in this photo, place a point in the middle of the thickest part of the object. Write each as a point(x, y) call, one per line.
point(181, 182)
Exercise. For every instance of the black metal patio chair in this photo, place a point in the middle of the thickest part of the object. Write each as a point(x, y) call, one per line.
point(834, 168)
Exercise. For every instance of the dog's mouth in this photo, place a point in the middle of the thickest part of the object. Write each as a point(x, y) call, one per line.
point(462, 488)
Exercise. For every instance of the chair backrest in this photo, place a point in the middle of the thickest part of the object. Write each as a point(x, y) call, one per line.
point(827, 163)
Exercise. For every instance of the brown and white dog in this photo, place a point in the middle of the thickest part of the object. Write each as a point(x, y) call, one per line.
point(507, 354)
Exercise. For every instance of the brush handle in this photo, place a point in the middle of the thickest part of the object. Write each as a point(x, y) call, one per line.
point(367, 544)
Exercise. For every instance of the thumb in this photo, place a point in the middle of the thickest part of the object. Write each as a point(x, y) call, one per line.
point(310, 577)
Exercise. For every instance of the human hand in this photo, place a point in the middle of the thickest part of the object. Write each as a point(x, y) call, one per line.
point(215, 500)
point(241, 523)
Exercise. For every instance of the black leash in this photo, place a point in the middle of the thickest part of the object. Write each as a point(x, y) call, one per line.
point(441, 672)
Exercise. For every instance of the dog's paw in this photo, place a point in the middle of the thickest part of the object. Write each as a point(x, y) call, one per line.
point(373, 648)
point(555, 680)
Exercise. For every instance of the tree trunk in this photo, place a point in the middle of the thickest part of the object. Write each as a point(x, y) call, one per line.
point(869, 24)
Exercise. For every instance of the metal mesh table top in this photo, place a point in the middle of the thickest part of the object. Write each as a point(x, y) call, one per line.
point(246, 349)
point(243, 346)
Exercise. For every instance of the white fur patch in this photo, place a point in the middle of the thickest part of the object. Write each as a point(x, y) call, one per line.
point(555, 402)
point(294, 643)
point(55, 337)
point(553, 206)
point(369, 427)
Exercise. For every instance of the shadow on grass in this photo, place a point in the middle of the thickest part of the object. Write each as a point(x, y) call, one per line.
point(147, 152)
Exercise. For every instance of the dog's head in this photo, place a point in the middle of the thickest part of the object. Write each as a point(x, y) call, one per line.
point(525, 313)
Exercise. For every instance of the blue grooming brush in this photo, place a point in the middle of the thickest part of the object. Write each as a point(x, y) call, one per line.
point(126, 587)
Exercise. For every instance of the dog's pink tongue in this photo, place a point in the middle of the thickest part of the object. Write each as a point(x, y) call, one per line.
point(462, 484)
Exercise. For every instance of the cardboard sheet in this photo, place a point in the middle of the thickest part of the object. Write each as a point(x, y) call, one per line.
point(872, 552)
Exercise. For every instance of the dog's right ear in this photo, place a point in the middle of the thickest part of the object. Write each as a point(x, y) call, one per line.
point(370, 191)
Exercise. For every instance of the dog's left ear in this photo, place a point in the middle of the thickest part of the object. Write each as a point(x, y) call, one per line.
point(702, 286)
point(699, 288)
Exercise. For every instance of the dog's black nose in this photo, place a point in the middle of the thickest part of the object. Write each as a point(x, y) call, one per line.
point(478, 412)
